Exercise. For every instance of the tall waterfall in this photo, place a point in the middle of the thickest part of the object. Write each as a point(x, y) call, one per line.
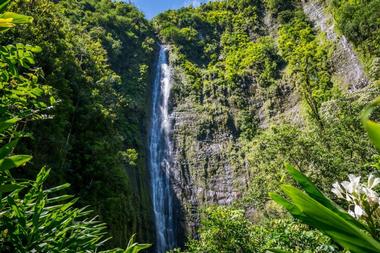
point(160, 152)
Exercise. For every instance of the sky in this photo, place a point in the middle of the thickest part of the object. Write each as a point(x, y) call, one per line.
point(153, 7)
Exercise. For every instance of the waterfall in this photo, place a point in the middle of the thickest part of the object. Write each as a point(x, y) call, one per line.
point(160, 152)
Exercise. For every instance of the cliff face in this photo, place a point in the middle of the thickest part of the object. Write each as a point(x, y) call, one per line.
point(346, 65)
point(218, 119)
point(208, 165)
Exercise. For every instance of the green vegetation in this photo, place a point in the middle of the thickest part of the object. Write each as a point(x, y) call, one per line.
point(359, 22)
point(254, 87)
point(317, 210)
point(35, 218)
point(267, 83)
point(226, 229)
point(99, 115)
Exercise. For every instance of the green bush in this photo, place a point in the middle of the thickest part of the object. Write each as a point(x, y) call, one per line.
point(227, 230)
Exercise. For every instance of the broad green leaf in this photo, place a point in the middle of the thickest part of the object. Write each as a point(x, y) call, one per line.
point(286, 204)
point(17, 18)
point(14, 162)
point(307, 185)
point(343, 232)
point(316, 194)
point(373, 130)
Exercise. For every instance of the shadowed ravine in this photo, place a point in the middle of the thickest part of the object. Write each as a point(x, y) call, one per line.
point(161, 156)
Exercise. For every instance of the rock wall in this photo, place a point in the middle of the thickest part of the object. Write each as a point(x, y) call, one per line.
point(210, 166)
point(347, 66)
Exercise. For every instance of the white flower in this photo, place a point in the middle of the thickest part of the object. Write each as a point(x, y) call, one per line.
point(351, 213)
point(345, 185)
point(349, 197)
point(361, 197)
point(371, 194)
point(373, 181)
point(358, 211)
point(337, 190)
point(354, 184)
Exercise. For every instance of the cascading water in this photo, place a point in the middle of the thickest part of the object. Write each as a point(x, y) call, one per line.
point(160, 152)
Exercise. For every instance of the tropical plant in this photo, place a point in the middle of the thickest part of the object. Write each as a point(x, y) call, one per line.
point(363, 200)
point(312, 207)
point(315, 209)
point(11, 19)
point(33, 218)
point(132, 247)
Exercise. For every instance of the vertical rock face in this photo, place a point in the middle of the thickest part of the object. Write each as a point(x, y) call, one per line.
point(346, 64)
point(204, 169)
point(209, 161)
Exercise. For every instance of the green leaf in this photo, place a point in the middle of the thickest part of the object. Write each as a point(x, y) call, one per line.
point(7, 149)
point(59, 199)
point(343, 232)
point(57, 188)
point(287, 205)
point(313, 192)
point(3, 4)
point(139, 247)
point(307, 185)
point(14, 162)
point(10, 187)
point(16, 18)
point(36, 49)
point(372, 128)
point(135, 247)
point(4, 125)
point(277, 251)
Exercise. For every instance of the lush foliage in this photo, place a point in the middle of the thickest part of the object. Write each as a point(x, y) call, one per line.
point(266, 88)
point(225, 229)
point(356, 230)
point(36, 219)
point(317, 210)
point(33, 218)
point(359, 22)
point(256, 80)
point(96, 58)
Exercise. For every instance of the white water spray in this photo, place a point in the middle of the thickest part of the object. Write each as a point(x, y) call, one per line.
point(160, 152)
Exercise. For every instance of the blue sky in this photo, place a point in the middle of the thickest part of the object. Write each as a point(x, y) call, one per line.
point(153, 7)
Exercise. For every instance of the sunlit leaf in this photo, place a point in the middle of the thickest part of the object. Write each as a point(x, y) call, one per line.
point(372, 128)
point(319, 216)
point(17, 18)
point(14, 162)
